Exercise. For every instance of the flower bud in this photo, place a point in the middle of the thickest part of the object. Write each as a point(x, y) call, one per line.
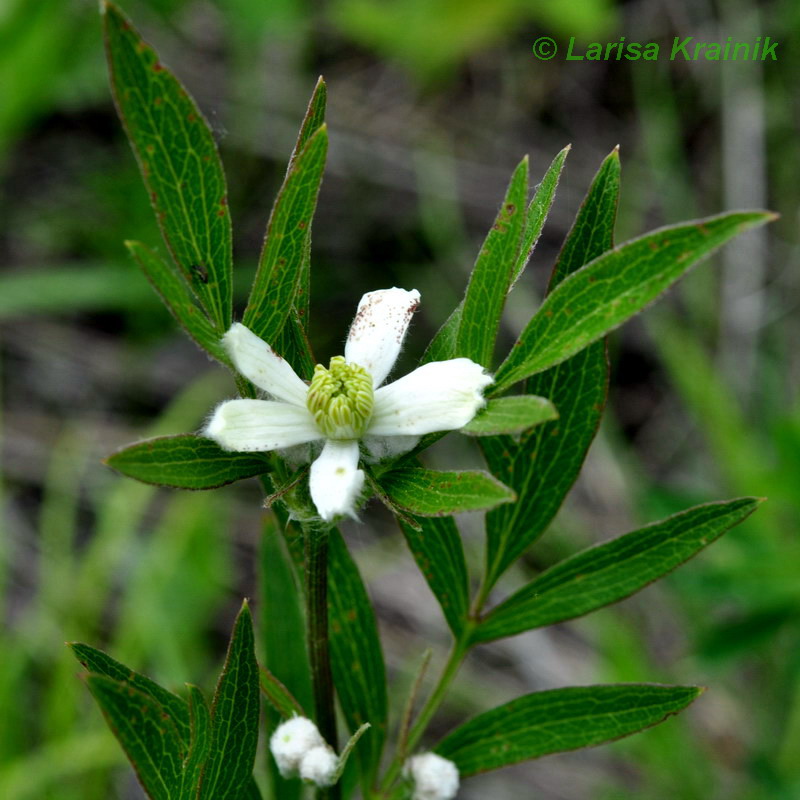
point(435, 778)
point(319, 765)
point(291, 741)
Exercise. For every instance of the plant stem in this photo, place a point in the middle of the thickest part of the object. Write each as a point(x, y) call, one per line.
point(459, 650)
point(316, 577)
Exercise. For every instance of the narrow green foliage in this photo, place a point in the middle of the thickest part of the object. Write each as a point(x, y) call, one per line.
point(510, 415)
point(347, 750)
point(430, 493)
point(543, 464)
point(280, 697)
point(356, 657)
point(558, 720)
point(234, 717)
point(280, 268)
point(537, 212)
point(493, 274)
point(611, 289)
point(611, 571)
point(147, 735)
point(186, 461)
point(200, 744)
point(436, 547)
point(179, 163)
point(98, 662)
point(177, 297)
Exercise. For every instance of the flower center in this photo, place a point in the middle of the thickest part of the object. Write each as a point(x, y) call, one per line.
point(340, 399)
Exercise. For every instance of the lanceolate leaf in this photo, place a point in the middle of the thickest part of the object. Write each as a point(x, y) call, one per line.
point(613, 570)
point(200, 744)
point(356, 657)
point(176, 295)
point(437, 549)
point(280, 267)
point(148, 737)
point(612, 288)
point(179, 163)
point(429, 493)
point(100, 663)
point(493, 273)
point(511, 415)
point(542, 466)
point(537, 212)
point(234, 717)
point(279, 696)
point(186, 461)
point(558, 720)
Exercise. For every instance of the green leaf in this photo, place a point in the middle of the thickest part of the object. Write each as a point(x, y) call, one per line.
point(280, 697)
point(611, 571)
point(280, 267)
point(234, 717)
point(510, 415)
point(612, 288)
point(186, 461)
point(429, 493)
point(179, 163)
point(542, 466)
point(558, 720)
point(537, 212)
point(493, 273)
point(100, 663)
point(178, 299)
point(148, 737)
point(436, 547)
point(200, 744)
point(359, 673)
point(443, 345)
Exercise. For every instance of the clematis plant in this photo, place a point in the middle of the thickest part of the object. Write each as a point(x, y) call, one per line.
point(534, 419)
point(346, 403)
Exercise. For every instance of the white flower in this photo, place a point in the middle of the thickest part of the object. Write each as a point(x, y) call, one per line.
point(319, 765)
point(293, 740)
point(346, 403)
point(435, 778)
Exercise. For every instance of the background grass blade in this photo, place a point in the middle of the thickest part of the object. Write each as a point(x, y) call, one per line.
point(179, 162)
point(609, 572)
point(558, 720)
point(614, 287)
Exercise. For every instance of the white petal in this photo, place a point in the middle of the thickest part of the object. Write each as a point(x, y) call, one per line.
point(257, 425)
point(380, 448)
point(335, 481)
point(259, 363)
point(378, 330)
point(439, 396)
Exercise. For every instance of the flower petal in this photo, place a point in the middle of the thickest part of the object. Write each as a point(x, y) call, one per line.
point(378, 330)
point(259, 363)
point(335, 481)
point(439, 396)
point(257, 425)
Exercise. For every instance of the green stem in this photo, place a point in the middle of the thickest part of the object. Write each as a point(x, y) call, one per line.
point(459, 650)
point(316, 575)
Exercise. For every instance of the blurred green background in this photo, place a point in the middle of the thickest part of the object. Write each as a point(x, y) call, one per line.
point(430, 106)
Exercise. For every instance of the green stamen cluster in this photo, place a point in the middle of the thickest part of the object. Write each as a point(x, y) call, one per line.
point(340, 399)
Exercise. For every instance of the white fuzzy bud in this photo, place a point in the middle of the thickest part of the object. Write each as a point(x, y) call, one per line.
point(435, 778)
point(319, 765)
point(291, 741)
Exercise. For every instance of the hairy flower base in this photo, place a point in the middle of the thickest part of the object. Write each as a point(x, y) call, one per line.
point(340, 399)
